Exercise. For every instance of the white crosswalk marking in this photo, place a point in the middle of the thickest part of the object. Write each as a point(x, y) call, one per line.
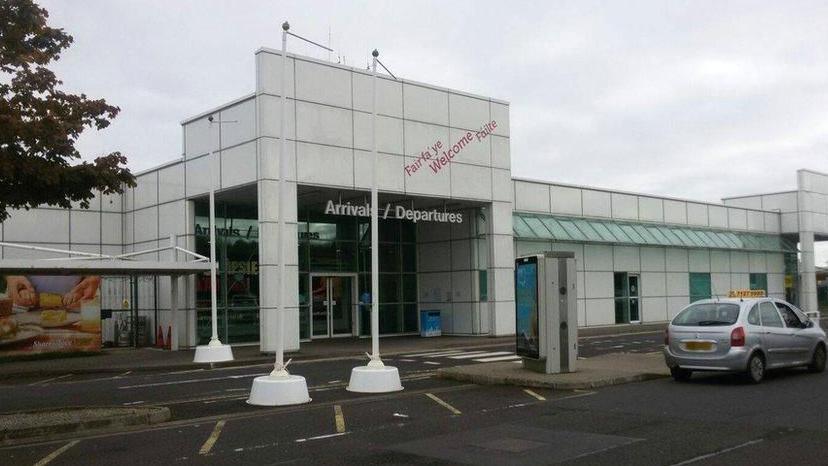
point(480, 354)
point(499, 358)
point(433, 353)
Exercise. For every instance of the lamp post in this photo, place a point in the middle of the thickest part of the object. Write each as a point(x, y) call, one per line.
point(280, 388)
point(215, 350)
point(375, 377)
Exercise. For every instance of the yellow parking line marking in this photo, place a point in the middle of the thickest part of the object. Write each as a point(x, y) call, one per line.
point(56, 453)
point(340, 419)
point(443, 403)
point(533, 394)
point(211, 440)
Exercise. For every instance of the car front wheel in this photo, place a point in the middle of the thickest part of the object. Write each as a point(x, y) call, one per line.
point(818, 360)
point(755, 368)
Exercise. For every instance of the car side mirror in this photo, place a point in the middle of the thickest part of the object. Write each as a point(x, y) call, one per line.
point(808, 324)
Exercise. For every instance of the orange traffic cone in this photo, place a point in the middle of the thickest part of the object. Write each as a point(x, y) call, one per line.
point(159, 338)
point(169, 338)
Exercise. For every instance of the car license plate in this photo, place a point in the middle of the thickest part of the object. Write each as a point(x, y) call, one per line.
point(698, 345)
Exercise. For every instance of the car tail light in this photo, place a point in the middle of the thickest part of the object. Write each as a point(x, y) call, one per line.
point(737, 337)
point(666, 337)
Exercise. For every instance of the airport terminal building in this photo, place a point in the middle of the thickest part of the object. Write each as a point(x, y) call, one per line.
point(452, 220)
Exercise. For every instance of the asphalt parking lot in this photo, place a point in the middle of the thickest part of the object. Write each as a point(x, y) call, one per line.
point(713, 419)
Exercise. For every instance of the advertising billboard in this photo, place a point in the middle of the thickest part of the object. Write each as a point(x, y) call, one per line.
point(526, 307)
point(49, 314)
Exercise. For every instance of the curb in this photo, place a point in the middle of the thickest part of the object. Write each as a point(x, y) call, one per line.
point(145, 415)
point(489, 379)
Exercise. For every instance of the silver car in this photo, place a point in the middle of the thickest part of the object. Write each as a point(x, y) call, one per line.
point(747, 336)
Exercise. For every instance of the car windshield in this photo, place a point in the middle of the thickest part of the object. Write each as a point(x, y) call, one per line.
point(708, 314)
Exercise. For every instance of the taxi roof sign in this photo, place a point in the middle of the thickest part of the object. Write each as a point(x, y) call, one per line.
point(746, 294)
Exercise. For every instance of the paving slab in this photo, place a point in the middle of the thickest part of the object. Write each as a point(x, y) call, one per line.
point(595, 372)
point(52, 422)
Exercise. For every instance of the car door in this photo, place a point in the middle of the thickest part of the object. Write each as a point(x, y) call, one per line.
point(799, 339)
point(775, 335)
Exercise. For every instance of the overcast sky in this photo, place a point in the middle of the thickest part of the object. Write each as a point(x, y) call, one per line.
point(688, 99)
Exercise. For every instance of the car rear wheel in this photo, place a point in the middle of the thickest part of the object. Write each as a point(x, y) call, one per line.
point(680, 375)
point(818, 360)
point(755, 368)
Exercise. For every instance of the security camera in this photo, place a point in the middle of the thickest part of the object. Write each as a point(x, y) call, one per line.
point(210, 118)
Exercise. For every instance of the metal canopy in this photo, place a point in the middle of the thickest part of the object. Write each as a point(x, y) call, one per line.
point(582, 230)
point(99, 267)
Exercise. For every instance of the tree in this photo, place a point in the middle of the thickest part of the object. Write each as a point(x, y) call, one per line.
point(40, 124)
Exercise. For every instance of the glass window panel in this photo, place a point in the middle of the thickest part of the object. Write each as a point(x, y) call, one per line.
point(522, 230)
point(346, 256)
point(603, 231)
point(645, 234)
point(658, 235)
point(737, 242)
point(557, 230)
point(619, 233)
point(636, 238)
point(700, 238)
point(749, 241)
point(408, 231)
point(410, 318)
point(538, 228)
point(587, 229)
point(389, 258)
point(682, 236)
point(483, 284)
point(389, 230)
point(671, 237)
point(409, 257)
point(389, 287)
point(759, 281)
point(572, 230)
point(699, 286)
point(714, 238)
point(409, 287)
point(390, 318)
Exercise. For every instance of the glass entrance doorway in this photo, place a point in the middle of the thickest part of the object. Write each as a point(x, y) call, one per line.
point(332, 305)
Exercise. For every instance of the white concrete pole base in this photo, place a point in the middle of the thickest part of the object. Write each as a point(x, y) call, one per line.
point(213, 353)
point(374, 379)
point(269, 390)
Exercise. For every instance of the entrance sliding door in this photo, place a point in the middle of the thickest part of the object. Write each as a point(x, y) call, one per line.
point(332, 305)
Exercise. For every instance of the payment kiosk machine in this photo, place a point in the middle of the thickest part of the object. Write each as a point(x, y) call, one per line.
point(546, 312)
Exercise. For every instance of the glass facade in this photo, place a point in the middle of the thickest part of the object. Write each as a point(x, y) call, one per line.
point(237, 254)
point(341, 245)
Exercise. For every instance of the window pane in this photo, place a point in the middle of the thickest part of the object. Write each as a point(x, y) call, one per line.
point(619, 233)
point(408, 231)
point(603, 231)
point(671, 237)
point(557, 230)
point(769, 314)
point(620, 284)
point(636, 238)
point(522, 230)
point(389, 286)
point(389, 258)
point(685, 239)
point(409, 257)
point(699, 286)
point(759, 281)
point(409, 318)
point(659, 236)
point(483, 284)
point(409, 287)
point(648, 238)
point(390, 318)
point(572, 230)
point(587, 229)
point(538, 228)
point(700, 239)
